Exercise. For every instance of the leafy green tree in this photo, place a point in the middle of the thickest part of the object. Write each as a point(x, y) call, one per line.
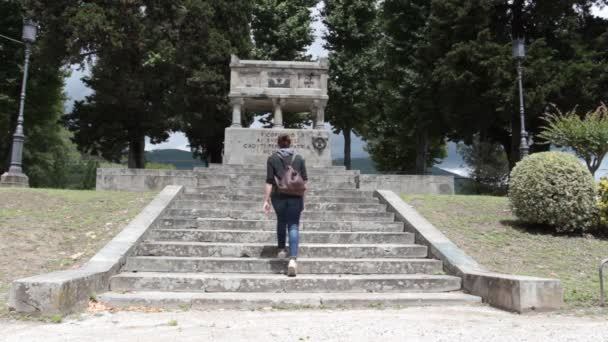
point(488, 164)
point(157, 66)
point(352, 33)
point(282, 29)
point(405, 133)
point(469, 45)
point(132, 45)
point(209, 34)
point(586, 135)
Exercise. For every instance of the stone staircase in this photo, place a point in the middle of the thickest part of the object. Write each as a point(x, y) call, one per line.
point(216, 248)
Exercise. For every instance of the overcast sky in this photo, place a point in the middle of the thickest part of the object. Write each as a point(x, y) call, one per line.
point(76, 90)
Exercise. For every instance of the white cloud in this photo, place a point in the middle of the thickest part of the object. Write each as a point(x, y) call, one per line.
point(177, 141)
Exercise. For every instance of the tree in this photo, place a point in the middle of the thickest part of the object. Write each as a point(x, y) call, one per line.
point(133, 47)
point(488, 164)
point(469, 45)
point(352, 33)
point(405, 133)
point(282, 29)
point(586, 135)
point(158, 66)
point(210, 33)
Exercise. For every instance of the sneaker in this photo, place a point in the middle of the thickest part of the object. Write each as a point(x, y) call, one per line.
point(292, 268)
point(282, 254)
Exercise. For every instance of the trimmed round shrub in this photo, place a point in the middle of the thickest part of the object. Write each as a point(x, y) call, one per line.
point(555, 189)
point(602, 202)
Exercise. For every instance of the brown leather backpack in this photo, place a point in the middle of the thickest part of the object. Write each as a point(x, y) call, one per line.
point(291, 183)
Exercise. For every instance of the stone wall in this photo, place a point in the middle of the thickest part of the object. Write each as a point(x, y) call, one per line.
point(156, 180)
point(143, 180)
point(408, 184)
point(506, 291)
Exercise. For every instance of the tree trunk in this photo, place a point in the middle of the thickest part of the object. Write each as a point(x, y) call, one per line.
point(137, 146)
point(214, 153)
point(422, 147)
point(347, 161)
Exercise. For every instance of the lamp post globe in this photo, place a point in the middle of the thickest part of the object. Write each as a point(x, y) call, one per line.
point(519, 53)
point(30, 31)
point(15, 177)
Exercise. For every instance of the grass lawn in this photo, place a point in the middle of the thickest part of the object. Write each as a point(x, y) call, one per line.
point(485, 228)
point(43, 230)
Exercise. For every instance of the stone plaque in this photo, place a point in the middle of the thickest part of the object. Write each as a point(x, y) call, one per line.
point(250, 79)
point(279, 80)
point(254, 145)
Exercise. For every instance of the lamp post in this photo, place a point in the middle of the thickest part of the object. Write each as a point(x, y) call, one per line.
point(519, 53)
point(15, 176)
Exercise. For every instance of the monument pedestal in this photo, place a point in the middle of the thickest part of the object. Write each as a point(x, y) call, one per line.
point(14, 180)
point(254, 145)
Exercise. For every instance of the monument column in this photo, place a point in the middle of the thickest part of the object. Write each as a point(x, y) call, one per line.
point(278, 112)
point(237, 107)
point(318, 107)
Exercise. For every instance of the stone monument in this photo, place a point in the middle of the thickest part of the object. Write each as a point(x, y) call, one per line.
point(277, 87)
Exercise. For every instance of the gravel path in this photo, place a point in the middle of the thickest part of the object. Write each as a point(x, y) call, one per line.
point(413, 324)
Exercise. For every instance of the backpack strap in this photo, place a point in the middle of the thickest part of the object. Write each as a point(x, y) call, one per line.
point(283, 160)
point(294, 158)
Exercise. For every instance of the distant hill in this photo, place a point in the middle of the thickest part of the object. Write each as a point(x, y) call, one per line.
point(182, 160)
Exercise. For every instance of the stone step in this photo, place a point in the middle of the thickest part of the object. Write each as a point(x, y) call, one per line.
point(256, 205)
point(262, 172)
point(305, 225)
point(259, 190)
point(312, 186)
point(222, 196)
point(246, 282)
point(218, 178)
point(260, 215)
point(263, 167)
point(253, 301)
point(248, 236)
point(305, 266)
point(253, 250)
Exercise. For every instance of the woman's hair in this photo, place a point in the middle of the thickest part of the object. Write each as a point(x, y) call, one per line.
point(284, 141)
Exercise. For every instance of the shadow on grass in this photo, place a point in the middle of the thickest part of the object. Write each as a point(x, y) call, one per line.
point(542, 229)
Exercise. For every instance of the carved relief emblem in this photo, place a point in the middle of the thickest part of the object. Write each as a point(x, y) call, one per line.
point(319, 143)
point(309, 80)
point(279, 80)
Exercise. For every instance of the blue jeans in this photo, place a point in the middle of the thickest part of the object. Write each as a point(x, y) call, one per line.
point(288, 209)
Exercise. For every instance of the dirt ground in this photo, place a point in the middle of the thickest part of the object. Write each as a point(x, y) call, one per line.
point(44, 230)
point(453, 324)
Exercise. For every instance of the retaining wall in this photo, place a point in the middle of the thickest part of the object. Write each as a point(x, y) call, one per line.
point(155, 180)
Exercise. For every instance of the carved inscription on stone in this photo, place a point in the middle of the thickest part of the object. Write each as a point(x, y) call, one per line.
point(309, 80)
point(266, 143)
point(279, 80)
